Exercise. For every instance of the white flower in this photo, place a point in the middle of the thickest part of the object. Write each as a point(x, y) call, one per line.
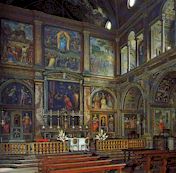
point(62, 136)
point(101, 135)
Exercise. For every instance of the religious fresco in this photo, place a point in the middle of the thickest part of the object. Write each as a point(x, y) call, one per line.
point(27, 121)
point(16, 94)
point(104, 121)
point(124, 60)
point(102, 100)
point(164, 90)
point(161, 121)
point(132, 99)
point(5, 121)
point(102, 57)
point(130, 124)
point(16, 42)
point(63, 95)
point(62, 48)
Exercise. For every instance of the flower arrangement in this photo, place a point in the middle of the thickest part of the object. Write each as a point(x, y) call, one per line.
point(62, 136)
point(101, 135)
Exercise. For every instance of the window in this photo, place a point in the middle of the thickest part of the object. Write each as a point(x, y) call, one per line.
point(130, 3)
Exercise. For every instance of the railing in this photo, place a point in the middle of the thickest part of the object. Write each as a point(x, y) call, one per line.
point(119, 144)
point(36, 148)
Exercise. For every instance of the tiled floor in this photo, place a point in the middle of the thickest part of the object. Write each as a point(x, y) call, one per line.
point(19, 170)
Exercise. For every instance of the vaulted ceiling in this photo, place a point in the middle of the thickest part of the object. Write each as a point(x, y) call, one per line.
point(93, 11)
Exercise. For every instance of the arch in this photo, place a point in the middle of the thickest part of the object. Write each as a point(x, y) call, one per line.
point(126, 92)
point(99, 90)
point(22, 91)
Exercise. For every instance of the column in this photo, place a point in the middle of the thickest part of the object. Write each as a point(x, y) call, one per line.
point(163, 39)
point(51, 123)
point(86, 51)
point(117, 59)
point(58, 119)
point(38, 108)
point(147, 44)
point(38, 42)
point(137, 55)
point(128, 55)
point(175, 24)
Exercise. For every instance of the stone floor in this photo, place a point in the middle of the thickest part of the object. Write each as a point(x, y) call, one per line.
point(19, 170)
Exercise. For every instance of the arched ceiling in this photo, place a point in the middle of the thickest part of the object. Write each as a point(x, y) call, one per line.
point(92, 11)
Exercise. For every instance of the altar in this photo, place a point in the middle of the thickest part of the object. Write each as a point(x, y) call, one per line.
point(78, 144)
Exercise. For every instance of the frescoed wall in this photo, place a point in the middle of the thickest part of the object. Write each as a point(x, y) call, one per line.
point(62, 48)
point(16, 42)
point(16, 94)
point(63, 95)
point(162, 120)
point(101, 57)
point(102, 100)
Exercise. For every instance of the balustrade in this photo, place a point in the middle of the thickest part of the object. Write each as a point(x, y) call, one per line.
point(33, 148)
point(119, 144)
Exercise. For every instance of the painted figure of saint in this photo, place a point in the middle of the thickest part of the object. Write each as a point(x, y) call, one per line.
point(161, 125)
point(95, 123)
point(109, 101)
point(111, 123)
point(68, 102)
point(12, 95)
point(26, 123)
point(96, 101)
point(103, 102)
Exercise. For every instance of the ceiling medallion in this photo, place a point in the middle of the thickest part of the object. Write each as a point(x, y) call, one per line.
point(130, 3)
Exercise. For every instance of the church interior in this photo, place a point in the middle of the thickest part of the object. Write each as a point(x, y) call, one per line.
point(88, 86)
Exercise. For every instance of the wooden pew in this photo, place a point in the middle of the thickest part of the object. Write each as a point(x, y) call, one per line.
point(149, 158)
point(50, 167)
point(92, 169)
point(50, 162)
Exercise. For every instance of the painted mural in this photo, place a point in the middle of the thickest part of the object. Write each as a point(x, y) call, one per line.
point(165, 87)
point(133, 99)
point(124, 60)
point(102, 100)
point(27, 121)
point(5, 121)
point(101, 57)
point(17, 94)
point(16, 42)
point(162, 119)
point(103, 121)
point(62, 48)
point(63, 95)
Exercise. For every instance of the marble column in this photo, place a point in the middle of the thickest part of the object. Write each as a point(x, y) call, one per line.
point(87, 101)
point(38, 107)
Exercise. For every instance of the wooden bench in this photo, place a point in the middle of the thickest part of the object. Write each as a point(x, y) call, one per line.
point(149, 158)
point(50, 162)
point(92, 169)
point(50, 167)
